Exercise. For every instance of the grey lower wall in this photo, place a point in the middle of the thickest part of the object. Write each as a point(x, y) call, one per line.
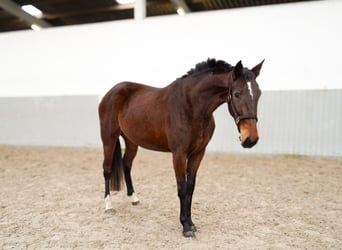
point(290, 122)
point(50, 121)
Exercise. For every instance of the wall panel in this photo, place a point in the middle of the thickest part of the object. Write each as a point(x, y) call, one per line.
point(304, 122)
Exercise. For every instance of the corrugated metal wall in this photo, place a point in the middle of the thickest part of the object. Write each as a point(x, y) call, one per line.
point(69, 121)
point(290, 122)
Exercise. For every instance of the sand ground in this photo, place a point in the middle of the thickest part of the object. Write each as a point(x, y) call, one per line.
point(53, 198)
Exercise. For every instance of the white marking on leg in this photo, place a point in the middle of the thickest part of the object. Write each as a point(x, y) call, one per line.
point(249, 84)
point(108, 203)
point(134, 199)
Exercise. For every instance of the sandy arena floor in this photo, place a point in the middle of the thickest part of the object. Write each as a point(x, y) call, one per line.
point(53, 198)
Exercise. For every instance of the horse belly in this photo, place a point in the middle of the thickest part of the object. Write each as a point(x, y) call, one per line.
point(145, 130)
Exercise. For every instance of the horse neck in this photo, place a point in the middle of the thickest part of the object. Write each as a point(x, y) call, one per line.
point(208, 93)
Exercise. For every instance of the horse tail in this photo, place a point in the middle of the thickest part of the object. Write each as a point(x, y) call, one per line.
point(117, 168)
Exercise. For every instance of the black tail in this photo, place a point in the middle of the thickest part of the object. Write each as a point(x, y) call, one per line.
point(117, 168)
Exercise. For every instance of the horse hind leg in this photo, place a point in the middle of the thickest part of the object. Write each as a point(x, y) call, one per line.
point(112, 170)
point(130, 153)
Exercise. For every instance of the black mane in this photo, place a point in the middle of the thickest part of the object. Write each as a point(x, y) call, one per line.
point(211, 65)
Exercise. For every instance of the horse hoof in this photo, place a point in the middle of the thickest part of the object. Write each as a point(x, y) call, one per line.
point(110, 211)
point(134, 199)
point(189, 234)
point(134, 203)
point(193, 228)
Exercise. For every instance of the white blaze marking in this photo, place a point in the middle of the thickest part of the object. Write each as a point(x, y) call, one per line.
point(249, 84)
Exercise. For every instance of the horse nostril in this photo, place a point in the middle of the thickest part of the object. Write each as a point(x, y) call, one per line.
point(248, 143)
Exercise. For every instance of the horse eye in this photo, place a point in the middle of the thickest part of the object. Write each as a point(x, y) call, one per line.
point(237, 94)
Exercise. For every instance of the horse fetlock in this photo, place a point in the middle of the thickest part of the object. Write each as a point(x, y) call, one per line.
point(108, 203)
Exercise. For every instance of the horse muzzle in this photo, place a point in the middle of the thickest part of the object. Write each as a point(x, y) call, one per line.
point(248, 133)
point(248, 143)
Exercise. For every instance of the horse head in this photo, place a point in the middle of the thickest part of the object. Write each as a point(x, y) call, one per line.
point(243, 100)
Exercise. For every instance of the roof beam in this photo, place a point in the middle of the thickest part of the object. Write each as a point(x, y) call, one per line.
point(16, 10)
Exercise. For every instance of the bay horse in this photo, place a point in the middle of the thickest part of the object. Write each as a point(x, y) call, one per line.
point(178, 119)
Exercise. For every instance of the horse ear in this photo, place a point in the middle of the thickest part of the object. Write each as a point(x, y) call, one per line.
point(257, 68)
point(238, 69)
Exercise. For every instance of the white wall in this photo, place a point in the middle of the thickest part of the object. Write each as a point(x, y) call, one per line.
point(301, 44)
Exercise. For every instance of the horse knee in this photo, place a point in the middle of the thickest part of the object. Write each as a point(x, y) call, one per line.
point(107, 173)
point(182, 190)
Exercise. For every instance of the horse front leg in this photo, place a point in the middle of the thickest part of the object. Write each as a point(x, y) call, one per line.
point(185, 208)
point(185, 191)
point(191, 181)
point(192, 168)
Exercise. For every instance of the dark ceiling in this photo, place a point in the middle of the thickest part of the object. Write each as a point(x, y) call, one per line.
point(70, 12)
